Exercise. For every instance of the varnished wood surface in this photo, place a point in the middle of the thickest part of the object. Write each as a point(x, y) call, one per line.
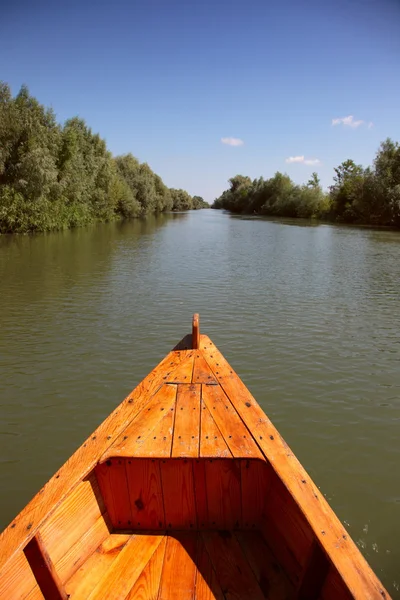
point(43, 569)
point(219, 463)
point(209, 565)
point(195, 332)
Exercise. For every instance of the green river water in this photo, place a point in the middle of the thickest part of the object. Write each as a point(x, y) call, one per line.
point(308, 315)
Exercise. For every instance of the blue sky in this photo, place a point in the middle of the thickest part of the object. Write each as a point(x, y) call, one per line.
point(169, 79)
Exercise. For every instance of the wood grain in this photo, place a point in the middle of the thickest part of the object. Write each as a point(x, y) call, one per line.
point(118, 581)
point(183, 373)
point(145, 491)
point(187, 422)
point(268, 572)
point(159, 443)
point(148, 584)
point(141, 428)
point(179, 569)
point(200, 492)
point(234, 574)
point(255, 484)
point(237, 437)
point(83, 548)
point(113, 483)
point(212, 443)
point(202, 372)
point(17, 579)
point(287, 526)
point(178, 494)
point(43, 569)
point(223, 493)
point(207, 586)
point(73, 518)
point(82, 582)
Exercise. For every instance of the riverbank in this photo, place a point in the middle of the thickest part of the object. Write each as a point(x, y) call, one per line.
point(55, 177)
point(363, 196)
point(310, 222)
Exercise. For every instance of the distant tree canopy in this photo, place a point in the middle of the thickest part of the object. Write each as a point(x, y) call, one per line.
point(369, 196)
point(58, 177)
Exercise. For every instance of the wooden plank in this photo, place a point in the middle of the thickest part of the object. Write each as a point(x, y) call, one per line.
point(314, 574)
point(202, 372)
point(212, 443)
point(24, 527)
point(83, 548)
point(159, 443)
point(282, 550)
point(286, 530)
point(334, 587)
point(148, 584)
point(234, 574)
point(43, 569)
point(34, 594)
point(183, 373)
point(17, 580)
point(113, 483)
point(178, 494)
point(82, 582)
point(196, 331)
point(337, 543)
point(207, 586)
point(126, 569)
point(145, 491)
point(140, 430)
point(200, 490)
point(223, 493)
point(179, 569)
point(73, 518)
point(237, 437)
point(255, 483)
point(187, 422)
point(268, 572)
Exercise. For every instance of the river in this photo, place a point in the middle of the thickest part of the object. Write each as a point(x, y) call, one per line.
point(308, 315)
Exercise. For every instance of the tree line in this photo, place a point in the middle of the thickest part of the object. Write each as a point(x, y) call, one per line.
point(56, 176)
point(366, 196)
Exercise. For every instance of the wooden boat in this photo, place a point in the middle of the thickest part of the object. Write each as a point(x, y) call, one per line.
point(185, 491)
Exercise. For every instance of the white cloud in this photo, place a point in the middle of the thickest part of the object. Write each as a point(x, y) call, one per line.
point(295, 159)
point(231, 141)
point(302, 160)
point(370, 125)
point(349, 121)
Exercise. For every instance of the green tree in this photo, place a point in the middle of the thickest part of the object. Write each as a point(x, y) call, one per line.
point(198, 202)
point(53, 177)
point(347, 190)
point(314, 181)
point(181, 200)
